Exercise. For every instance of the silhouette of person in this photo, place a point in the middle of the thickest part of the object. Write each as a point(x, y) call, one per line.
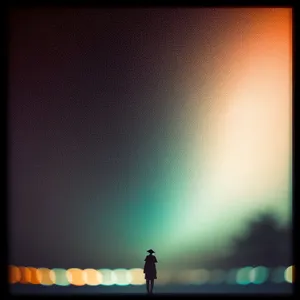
point(150, 270)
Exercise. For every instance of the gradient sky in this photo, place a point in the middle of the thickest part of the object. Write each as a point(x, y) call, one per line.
point(145, 128)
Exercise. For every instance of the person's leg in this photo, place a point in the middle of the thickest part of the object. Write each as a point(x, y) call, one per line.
point(147, 284)
point(152, 285)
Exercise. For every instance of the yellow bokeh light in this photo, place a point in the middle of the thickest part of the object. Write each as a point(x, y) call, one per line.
point(47, 276)
point(289, 274)
point(14, 274)
point(76, 277)
point(92, 277)
point(137, 276)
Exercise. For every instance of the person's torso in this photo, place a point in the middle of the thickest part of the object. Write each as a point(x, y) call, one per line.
point(150, 260)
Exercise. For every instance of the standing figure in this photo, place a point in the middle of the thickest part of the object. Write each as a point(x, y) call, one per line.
point(150, 270)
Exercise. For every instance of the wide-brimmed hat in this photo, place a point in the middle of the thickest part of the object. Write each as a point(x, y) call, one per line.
point(150, 251)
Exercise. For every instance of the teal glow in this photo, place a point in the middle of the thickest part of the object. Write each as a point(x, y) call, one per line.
point(231, 276)
point(277, 274)
point(243, 276)
point(61, 277)
point(259, 275)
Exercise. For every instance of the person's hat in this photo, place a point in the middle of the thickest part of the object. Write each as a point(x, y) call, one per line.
point(150, 251)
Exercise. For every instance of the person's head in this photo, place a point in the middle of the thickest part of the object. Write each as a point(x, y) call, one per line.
point(150, 251)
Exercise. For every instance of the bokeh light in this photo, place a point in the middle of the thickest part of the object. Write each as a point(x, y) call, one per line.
point(92, 277)
point(75, 277)
point(61, 277)
point(25, 275)
point(259, 275)
point(122, 276)
point(47, 276)
point(14, 274)
point(35, 277)
point(231, 276)
point(277, 275)
point(137, 276)
point(289, 274)
point(243, 275)
point(107, 277)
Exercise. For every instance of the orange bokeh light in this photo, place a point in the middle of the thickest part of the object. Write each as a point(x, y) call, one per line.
point(14, 274)
point(137, 276)
point(47, 276)
point(25, 275)
point(76, 277)
point(92, 277)
point(36, 277)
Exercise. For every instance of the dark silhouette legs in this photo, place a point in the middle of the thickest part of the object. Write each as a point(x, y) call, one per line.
point(150, 285)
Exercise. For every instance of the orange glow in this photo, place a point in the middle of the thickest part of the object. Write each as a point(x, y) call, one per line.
point(14, 274)
point(137, 277)
point(92, 277)
point(256, 119)
point(25, 275)
point(243, 129)
point(47, 276)
point(35, 276)
point(76, 277)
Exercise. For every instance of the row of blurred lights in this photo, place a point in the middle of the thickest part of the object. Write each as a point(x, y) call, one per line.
point(123, 277)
